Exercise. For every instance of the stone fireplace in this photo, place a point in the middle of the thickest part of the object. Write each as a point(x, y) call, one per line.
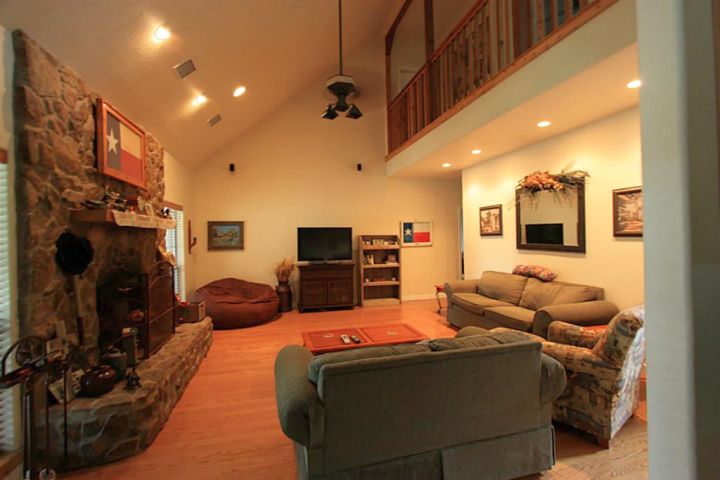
point(56, 172)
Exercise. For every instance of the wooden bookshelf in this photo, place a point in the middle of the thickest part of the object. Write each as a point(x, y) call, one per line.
point(379, 271)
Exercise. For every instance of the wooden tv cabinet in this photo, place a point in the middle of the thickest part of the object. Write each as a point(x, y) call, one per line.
point(326, 285)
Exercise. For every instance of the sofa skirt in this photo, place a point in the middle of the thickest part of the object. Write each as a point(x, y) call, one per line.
point(500, 458)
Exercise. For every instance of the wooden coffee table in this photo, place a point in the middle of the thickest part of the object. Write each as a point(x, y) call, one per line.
point(329, 340)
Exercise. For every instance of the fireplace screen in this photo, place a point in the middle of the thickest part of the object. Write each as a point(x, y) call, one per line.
point(145, 302)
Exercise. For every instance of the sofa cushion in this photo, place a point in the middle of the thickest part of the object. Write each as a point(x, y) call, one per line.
point(577, 294)
point(539, 294)
point(517, 318)
point(473, 341)
point(361, 353)
point(475, 303)
point(505, 287)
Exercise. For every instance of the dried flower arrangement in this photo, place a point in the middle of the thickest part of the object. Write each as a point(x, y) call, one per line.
point(285, 269)
point(544, 181)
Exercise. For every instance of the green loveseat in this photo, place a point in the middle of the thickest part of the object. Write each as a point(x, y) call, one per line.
point(500, 299)
point(468, 408)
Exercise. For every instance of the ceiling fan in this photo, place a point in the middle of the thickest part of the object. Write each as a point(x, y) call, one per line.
point(341, 85)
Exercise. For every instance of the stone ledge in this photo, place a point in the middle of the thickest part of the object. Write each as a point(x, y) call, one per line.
point(123, 423)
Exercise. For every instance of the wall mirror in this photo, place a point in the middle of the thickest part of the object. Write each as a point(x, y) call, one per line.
point(551, 221)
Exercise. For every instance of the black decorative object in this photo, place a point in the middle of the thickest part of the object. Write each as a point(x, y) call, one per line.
point(73, 254)
point(341, 85)
point(133, 380)
point(98, 381)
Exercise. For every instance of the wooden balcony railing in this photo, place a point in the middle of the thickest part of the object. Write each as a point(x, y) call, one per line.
point(495, 39)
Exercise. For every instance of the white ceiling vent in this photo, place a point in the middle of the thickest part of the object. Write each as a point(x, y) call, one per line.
point(185, 68)
point(214, 120)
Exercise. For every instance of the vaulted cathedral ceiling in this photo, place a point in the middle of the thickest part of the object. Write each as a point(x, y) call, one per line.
point(274, 48)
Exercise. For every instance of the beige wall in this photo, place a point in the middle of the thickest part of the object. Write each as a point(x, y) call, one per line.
point(610, 151)
point(295, 169)
point(179, 189)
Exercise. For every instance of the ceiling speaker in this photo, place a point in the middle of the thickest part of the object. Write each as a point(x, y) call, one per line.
point(185, 68)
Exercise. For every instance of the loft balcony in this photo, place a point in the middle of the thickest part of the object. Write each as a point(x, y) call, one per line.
point(494, 40)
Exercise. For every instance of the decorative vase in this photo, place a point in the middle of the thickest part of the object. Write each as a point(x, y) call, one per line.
point(118, 361)
point(285, 295)
point(97, 381)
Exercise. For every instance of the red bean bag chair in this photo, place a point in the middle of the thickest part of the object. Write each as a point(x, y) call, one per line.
point(233, 303)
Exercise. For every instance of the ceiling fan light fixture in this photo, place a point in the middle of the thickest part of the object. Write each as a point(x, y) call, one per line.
point(341, 105)
point(354, 112)
point(329, 113)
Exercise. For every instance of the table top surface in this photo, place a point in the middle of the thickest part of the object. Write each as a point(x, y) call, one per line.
point(329, 340)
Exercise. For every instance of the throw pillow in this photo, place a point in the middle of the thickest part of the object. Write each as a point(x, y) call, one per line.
point(535, 271)
point(443, 344)
point(361, 353)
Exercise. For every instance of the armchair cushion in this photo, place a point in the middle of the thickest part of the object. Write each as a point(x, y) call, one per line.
point(581, 360)
point(518, 318)
point(505, 287)
point(619, 336)
point(569, 334)
point(475, 303)
point(316, 364)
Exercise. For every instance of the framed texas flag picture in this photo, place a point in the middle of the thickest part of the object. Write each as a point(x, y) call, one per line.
point(416, 234)
point(120, 146)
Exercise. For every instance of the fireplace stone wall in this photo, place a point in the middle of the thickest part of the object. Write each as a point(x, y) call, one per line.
point(56, 172)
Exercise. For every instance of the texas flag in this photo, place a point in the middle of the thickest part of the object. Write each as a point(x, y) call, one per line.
point(124, 148)
point(416, 232)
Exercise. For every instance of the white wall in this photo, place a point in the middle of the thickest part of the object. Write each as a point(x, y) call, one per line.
point(179, 189)
point(295, 169)
point(682, 222)
point(609, 150)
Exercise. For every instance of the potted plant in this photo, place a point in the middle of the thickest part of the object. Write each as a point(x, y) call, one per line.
point(283, 272)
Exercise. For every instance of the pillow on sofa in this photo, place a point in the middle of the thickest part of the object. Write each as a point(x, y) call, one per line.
point(361, 353)
point(535, 271)
point(483, 340)
point(505, 287)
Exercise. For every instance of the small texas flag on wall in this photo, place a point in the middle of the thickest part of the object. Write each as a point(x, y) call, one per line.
point(416, 234)
point(121, 146)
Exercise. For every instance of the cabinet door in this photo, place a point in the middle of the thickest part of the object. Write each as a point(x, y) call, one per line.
point(340, 292)
point(314, 293)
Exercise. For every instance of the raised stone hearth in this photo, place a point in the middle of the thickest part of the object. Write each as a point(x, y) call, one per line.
point(122, 423)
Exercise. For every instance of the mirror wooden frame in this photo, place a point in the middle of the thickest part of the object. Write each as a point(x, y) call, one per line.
point(579, 248)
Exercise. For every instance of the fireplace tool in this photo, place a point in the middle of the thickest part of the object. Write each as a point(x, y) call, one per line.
point(33, 361)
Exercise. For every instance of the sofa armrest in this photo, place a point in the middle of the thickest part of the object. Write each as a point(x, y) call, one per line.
point(598, 312)
point(460, 286)
point(553, 379)
point(569, 334)
point(580, 360)
point(299, 407)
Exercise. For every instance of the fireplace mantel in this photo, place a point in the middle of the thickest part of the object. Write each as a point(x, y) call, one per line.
point(121, 219)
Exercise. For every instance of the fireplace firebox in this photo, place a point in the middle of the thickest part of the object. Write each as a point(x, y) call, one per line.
point(143, 301)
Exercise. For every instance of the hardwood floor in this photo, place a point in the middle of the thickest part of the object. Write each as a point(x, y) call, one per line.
point(225, 426)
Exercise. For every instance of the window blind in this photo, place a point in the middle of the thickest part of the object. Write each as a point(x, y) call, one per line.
point(175, 243)
point(7, 404)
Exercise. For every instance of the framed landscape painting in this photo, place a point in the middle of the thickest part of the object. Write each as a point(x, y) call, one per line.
point(491, 220)
point(120, 146)
point(226, 235)
point(628, 212)
point(416, 234)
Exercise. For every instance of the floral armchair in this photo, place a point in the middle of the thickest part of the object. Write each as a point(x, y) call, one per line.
point(603, 371)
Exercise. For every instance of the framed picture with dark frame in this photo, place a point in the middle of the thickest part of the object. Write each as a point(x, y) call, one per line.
point(226, 235)
point(628, 212)
point(491, 221)
point(120, 146)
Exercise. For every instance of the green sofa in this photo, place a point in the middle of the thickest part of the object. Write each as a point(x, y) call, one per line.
point(469, 408)
point(500, 299)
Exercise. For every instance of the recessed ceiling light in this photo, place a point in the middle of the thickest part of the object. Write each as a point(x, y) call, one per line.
point(239, 91)
point(544, 124)
point(199, 100)
point(477, 151)
point(161, 33)
point(446, 165)
point(634, 84)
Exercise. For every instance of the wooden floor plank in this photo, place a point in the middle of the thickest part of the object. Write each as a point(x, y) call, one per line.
point(225, 426)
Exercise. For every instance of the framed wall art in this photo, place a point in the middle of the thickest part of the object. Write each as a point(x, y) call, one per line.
point(628, 212)
point(416, 233)
point(226, 235)
point(491, 220)
point(120, 146)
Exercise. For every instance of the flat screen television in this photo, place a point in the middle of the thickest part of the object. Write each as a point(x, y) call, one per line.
point(544, 233)
point(324, 244)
